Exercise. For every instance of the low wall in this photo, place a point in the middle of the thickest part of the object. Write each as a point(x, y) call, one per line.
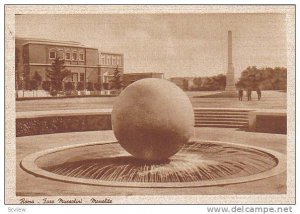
point(268, 121)
point(59, 123)
point(48, 122)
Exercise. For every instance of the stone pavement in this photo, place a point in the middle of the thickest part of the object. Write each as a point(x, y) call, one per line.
point(269, 100)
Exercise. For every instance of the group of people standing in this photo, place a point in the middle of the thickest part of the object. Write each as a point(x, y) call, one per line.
point(248, 93)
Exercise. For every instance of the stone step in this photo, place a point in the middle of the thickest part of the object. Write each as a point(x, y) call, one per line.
point(221, 125)
point(225, 118)
point(220, 113)
point(233, 116)
point(221, 122)
point(221, 110)
point(221, 119)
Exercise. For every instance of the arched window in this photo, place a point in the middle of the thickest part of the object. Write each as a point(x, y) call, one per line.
point(68, 55)
point(52, 54)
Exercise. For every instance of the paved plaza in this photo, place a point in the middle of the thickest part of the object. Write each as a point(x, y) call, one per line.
point(46, 187)
point(269, 100)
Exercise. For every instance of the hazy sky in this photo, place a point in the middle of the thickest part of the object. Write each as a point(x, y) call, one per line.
point(175, 44)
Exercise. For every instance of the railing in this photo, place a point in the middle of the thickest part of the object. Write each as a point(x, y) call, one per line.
point(42, 93)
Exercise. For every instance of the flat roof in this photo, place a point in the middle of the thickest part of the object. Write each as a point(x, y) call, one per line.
point(111, 53)
point(52, 42)
point(182, 78)
point(142, 73)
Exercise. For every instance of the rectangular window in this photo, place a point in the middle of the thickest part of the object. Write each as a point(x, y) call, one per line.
point(119, 62)
point(68, 56)
point(52, 55)
point(74, 56)
point(81, 57)
point(74, 77)
point(102, 59)
point(81, 77)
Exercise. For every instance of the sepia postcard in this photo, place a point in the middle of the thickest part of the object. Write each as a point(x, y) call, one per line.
point(149, 104)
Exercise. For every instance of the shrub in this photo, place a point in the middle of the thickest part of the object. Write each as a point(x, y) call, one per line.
point(106, 86)
point(32, 85)
point(53, 92)
point(89, 86)
point(69, 86)
point(80, 86)
point(97, 86)
point(46, 85)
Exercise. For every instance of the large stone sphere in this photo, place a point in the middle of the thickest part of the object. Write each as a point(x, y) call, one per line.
point(152, 119)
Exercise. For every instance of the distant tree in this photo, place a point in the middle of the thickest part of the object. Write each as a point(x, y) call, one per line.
point(210, 84)
point(220, 81)
point(26, 71)
point(38, 78)
point(57, 73)
point(197, 82)
point(185, 84)
point(240, 85)
point(117, 82)
point(25, 77)
point(46, 85)
point(217, 82)
point(35, 82)
point(32, 85)
point(264, 78)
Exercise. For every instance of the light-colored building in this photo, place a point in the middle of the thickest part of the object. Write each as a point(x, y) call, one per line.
point(129, 78)
point(184, 83)
point(108, 63)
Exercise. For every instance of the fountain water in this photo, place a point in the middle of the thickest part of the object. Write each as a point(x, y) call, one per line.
point(198, 163)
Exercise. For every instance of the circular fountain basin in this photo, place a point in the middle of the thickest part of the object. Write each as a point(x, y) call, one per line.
point(198, 163)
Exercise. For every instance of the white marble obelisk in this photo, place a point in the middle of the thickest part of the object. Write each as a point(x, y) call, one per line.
point(230, 83)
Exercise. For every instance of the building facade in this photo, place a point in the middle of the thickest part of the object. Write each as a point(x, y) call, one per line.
point(108, 64)
point(185, 83)
point(86, 64)
point(132, 77)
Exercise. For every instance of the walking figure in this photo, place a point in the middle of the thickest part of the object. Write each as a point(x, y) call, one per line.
point(249, 94)
point(258, 91)
point(241, 93)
